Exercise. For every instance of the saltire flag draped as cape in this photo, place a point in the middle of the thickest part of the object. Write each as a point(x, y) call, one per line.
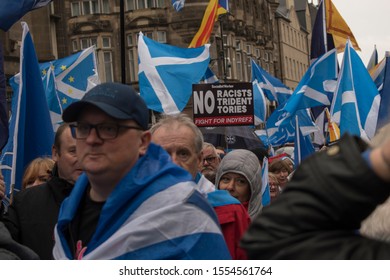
point(356, 101)
point(13, 10)
point(166, 73)
point(31, 133)
point(139, 220)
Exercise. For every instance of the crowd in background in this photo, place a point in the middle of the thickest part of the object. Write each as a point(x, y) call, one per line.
point(116, 188)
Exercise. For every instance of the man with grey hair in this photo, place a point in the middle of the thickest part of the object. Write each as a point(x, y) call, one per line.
point(182, 139)
point(210, 162)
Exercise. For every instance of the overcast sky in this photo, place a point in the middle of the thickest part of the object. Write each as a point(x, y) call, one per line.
point(369, 22)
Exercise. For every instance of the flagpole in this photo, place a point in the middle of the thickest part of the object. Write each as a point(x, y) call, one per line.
point(324, 25)
point(122, 36)
point(222, 53)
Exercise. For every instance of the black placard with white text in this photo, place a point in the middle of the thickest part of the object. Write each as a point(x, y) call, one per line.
point(228, 104)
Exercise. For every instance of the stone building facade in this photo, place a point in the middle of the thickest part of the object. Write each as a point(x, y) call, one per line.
point(268, 31)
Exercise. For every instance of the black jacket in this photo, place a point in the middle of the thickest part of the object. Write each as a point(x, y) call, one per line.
point(319, 213)
point(33, 214)
point(11, 250)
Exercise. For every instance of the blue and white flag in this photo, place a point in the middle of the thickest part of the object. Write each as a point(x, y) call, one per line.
point(209, 77)
point(281, 132)
point(13, 10)
point(373, 59)
point(384, 108)
point(317, 85)
point(259, 101)
point(178, 4)
point(356, 102)
point(378, 74)
point(265, 189)
point(303, 146)
point(3, 102)
point(31, 133)
point(272, 87)
point(166, 73)
point(73, 77)
point(139, 220)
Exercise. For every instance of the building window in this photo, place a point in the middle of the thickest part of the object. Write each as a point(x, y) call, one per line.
point(239, 66)
point(248, 49)
point(106, 42)
point(161, 37)
point(132, 66)
point(130, 41)
point(75, 46)
point(266, 57)
point(75, 9)
point(130, 5)
point(225, 40)
point(90, 7)
point(258, 53)
point(87, 42)
point(108, 71)
point(238, 45)
point(105, 6)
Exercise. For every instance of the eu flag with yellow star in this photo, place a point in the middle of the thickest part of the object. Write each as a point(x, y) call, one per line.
point(72, 78)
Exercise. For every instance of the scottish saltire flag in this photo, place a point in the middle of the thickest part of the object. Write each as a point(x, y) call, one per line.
point(356, 102)
point(280, 133)
point(178, 4)
point(139, 219)
point(260, 103)
point(373, 60)
point(209, 77)
point(166, 73)
point(13, 10)
point(31, 133)
point(378, 74)
point(317, 85)
point(272, 87)
point(53, 99)
point(265, 189)
point(384, 108)
point(73, 77)
point(3, 102)
point(303, 146)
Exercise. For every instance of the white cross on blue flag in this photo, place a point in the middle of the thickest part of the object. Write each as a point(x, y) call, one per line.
point(356, 102)
point(166, 73)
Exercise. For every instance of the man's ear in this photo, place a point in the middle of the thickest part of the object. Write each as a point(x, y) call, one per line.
point(54, 153)
point(146, 138)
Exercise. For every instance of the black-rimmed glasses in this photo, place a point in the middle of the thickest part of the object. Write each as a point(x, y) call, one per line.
point(104, 131)
point(210, 160)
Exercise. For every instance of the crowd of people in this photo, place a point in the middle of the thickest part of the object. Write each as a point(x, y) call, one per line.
point(118, 188)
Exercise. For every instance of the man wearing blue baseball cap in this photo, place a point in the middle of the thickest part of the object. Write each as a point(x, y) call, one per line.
point(132, 199)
